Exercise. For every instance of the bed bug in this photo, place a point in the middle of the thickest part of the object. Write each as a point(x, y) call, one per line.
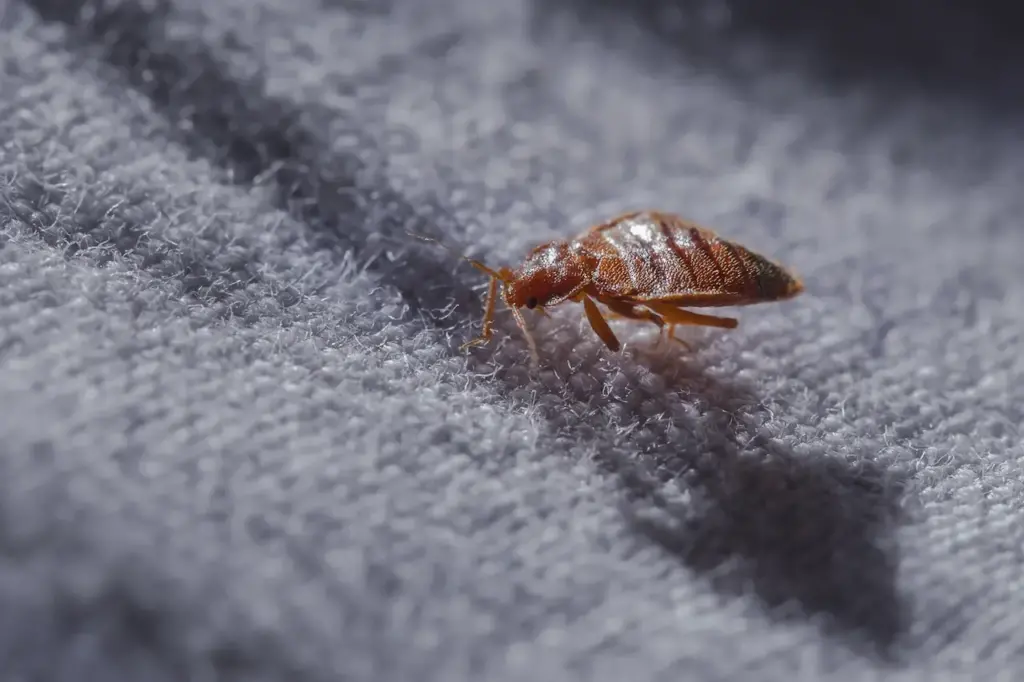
point(643, 266)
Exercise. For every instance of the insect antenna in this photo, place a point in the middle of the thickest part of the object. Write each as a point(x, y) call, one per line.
point(503, 276)
point(475, 263)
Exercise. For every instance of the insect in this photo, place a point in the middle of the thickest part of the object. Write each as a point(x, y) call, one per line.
point(642, 266)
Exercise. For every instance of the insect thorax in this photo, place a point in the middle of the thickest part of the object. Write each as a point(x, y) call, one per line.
point(549, 274)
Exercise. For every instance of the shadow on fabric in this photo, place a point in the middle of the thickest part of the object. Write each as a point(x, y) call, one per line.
point(266, 141)
point(811, 536)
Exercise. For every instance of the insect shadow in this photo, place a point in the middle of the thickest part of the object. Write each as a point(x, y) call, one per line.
point(811, 536)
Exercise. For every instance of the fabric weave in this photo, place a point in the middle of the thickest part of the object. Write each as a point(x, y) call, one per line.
point(238, 441)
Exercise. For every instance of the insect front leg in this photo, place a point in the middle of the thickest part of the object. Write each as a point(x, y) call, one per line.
point(487, 332)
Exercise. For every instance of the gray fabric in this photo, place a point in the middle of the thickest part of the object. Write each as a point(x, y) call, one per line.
point(238, 441)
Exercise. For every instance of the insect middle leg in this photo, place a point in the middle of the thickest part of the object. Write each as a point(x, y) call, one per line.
point(599, 324)
point(630, 311)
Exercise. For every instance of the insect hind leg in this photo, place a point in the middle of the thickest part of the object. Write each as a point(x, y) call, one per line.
point(676, 316)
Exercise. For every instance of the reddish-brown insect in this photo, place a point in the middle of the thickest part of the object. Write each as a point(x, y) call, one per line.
point(643, 265)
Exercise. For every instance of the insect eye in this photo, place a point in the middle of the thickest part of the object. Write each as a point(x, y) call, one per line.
point(531, 302)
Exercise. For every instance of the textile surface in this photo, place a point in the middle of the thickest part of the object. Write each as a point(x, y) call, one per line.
point(238, 440)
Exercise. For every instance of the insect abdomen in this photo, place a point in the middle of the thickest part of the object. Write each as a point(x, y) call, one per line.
point(653, 255)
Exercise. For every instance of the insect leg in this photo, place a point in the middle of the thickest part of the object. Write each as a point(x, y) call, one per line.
point(487, 332)
point(599, 324)
point(534, 355)
point(630, 311)
point(676, 315)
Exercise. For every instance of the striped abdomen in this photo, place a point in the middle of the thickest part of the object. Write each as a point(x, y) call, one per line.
point(650, 255)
